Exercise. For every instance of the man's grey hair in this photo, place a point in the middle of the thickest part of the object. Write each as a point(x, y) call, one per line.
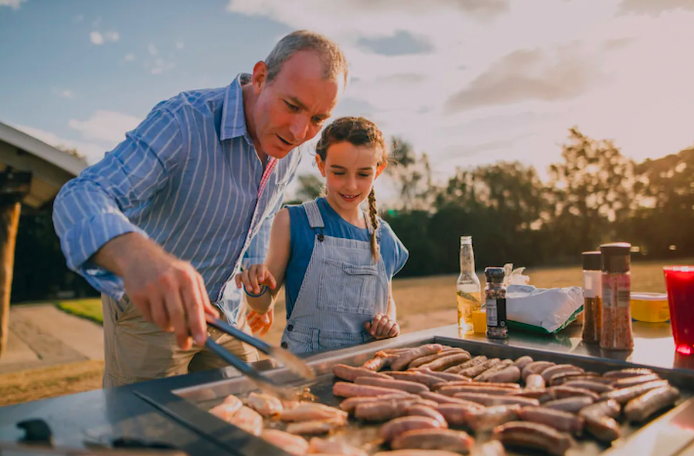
point(334, 61)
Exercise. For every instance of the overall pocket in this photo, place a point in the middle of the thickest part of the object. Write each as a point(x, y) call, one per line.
point(346, 287)
point(299, 342)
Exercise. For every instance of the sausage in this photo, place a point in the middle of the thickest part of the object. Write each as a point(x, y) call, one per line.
point(447, 376)
point(428, 358)
point(533, 436)
point(384, 410)
point(472, 363)
point(633, 381)
point(644, 406)
point(394, 428)
point(561, 421)
point(415, 453)
point(626, 373)
point(600, 422)
point(348, 405)
point(560, 379)
point(484, 376)
point(410, 387)
point(378, 362)
point(512, 387)
point(561, 392)
point(456, 414)
point(477, 369)
point(434, 439)
point(541, 394)
point(443, 399)
point(490, 400)
point(306, 411)
point(350, 373)
point(450, 390)
point(624, 395)
point(569, 404)
point(445, 362)
point(344, 389)
point(423, 410)
point(548, 373)
point(523, 361)
point(590, 386)
point(507, 375)
point(490, 417)
point(405, 358)
point(535, 368)
point(535, 381)
point(419, 377)
point(313, 427)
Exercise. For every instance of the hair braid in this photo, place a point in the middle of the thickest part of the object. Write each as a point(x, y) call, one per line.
point(373, 215)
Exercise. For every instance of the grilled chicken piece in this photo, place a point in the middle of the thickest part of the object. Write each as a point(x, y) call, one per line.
point(333, 446)
point(265, 404)
point(228, 408)
point(290, 443)
point(248, 419)
point(311, 411)
point(316, 427)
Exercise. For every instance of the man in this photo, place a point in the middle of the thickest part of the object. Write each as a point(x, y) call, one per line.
point(165, 219)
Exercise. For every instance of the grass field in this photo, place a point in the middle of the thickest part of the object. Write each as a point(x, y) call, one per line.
point(422, 303)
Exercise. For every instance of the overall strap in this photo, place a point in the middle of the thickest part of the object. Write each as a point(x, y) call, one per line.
point(315, 219)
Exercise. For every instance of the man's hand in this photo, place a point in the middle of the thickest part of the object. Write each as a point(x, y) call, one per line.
point(260, 323)
point(166, 290)
point(255, 276)
point(382, 327)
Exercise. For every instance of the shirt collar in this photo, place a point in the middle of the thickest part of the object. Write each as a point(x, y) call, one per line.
point(233, 117)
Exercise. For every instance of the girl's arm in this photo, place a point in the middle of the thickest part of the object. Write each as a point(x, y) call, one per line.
point(272, 272)
point(391, 312)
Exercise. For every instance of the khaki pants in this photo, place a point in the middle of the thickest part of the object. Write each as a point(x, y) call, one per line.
point(137, 350)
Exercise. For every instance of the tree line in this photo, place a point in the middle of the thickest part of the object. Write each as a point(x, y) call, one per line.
point(593, 194)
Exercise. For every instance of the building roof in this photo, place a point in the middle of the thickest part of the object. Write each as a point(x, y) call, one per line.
point(51, 168)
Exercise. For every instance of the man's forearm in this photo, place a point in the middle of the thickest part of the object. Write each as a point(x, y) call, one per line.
point(120, 251)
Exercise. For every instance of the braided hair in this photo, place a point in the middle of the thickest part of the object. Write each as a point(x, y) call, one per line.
point(358, 131)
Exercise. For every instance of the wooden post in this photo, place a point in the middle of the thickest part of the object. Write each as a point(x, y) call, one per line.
point(9, 221)
point(13, 187)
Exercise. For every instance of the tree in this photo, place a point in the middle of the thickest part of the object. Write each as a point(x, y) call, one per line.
point(411, 175)
point(310, 187)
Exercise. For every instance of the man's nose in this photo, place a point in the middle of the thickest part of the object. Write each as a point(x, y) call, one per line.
point(298, 128)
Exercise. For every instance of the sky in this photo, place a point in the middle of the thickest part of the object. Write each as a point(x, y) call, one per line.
point(470, 82)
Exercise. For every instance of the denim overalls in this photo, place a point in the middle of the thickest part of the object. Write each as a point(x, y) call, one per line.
point(342, 290)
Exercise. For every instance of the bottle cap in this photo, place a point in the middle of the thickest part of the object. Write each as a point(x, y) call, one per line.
point(494, 274)
point(592, 261)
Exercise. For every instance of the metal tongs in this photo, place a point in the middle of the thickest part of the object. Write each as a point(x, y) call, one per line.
point(292, 362)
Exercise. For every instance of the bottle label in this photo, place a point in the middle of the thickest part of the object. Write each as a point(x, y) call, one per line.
point(592, 284)
point(616, 291)
point(492, 318)
point(501, 312)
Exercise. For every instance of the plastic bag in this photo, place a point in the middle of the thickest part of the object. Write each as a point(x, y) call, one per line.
point(546, 310)
point(514, 276)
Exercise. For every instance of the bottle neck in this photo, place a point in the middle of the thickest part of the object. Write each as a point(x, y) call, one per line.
point(467, 259)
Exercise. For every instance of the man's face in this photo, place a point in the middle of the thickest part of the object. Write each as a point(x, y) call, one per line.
point(292, 108)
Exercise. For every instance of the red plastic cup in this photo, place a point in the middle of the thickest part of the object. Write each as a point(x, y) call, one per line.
point(679, 281)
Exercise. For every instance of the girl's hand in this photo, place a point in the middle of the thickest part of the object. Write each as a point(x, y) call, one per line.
point(260, 323)
point(255, 276)
point(382, 327)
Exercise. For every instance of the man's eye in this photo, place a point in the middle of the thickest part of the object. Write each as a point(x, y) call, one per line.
point(318, 120)
point(292, 107)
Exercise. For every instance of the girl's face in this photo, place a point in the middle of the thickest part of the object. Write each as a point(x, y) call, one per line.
point(349, 173)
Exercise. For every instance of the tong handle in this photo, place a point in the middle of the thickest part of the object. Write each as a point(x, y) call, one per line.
point(240, 335)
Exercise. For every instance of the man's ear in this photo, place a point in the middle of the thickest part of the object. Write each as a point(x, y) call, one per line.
point(259, 77)
point(321, 165)
point(380, 168)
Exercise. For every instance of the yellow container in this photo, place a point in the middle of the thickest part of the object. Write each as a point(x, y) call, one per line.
point(649, 307)
point(479, 321)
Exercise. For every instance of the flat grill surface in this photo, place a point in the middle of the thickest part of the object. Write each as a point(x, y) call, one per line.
point(365, 435)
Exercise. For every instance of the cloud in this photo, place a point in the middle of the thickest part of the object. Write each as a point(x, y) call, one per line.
point(654, 7)
point(152, 49)
point(402, 77)
point(461, 150)
point(92, 152)
point(107, 126)
point(65, 93)
point(96, 38)
point(161, 66)
point(99, 38)
point(401, 43)
point(617, 43)
point(179, 45)
point(129, 57)
point(525, 75)
point(14, 4)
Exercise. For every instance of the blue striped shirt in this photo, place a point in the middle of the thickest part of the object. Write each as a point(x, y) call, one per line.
point(188, 178)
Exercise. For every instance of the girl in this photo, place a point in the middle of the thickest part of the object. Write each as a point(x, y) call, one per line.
point(335, 261)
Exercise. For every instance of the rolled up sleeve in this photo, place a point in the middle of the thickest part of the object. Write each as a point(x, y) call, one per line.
point(89, 210)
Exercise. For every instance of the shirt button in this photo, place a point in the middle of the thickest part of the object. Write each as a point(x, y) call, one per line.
point(283, 345)
point(290, 328)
